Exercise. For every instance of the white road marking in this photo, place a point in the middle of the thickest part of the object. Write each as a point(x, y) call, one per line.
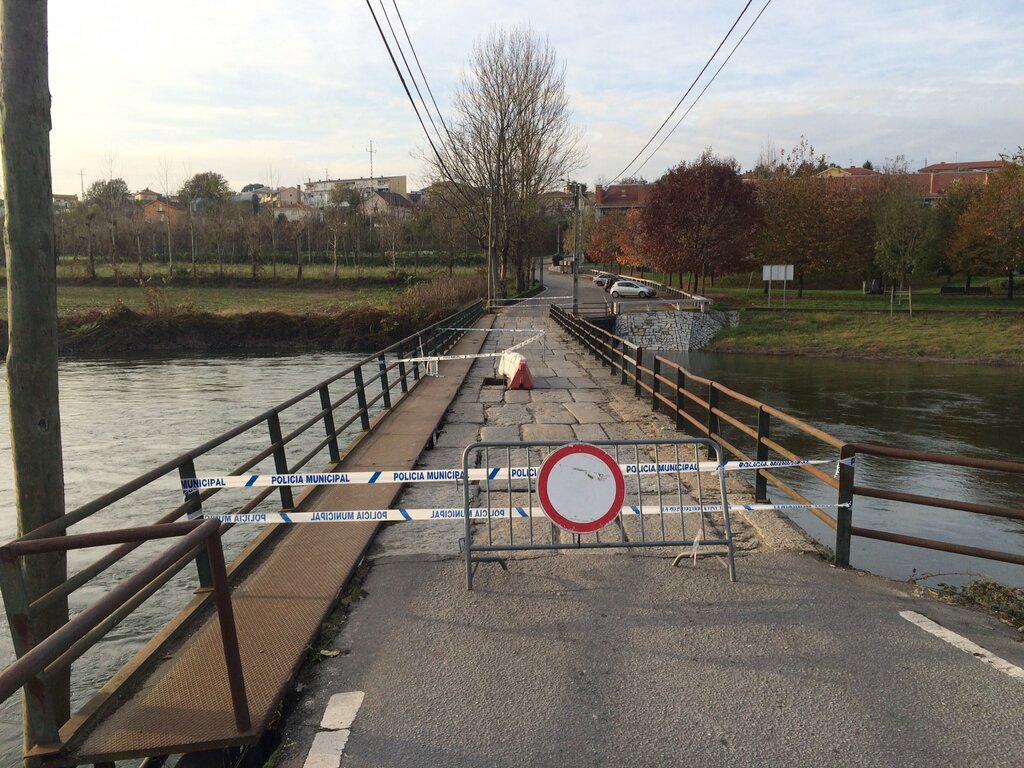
point(965, 645)
point(341, 710)
point(329, 744)
point(326, 750)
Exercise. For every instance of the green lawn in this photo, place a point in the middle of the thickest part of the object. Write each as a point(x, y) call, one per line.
point(977, 337)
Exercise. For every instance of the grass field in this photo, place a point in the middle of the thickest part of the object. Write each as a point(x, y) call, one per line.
point(973, 337)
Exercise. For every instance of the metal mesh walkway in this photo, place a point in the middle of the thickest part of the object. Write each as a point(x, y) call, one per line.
point(184, 704)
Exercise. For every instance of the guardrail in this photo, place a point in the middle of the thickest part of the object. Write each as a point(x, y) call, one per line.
point(710, 408)
point(374, 384)
point(687, 300)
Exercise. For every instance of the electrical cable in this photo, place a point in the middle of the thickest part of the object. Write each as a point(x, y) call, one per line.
point(412, 101)
point(422, 73)
point(703, 91)
point(408, 69)
point(650, 141)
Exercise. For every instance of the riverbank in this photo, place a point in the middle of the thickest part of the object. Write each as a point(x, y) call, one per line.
point(981, 338)
point(143, 321)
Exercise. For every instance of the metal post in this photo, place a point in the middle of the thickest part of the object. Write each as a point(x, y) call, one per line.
point(40, 716)
point(763, 433)
point(713, 423)
point(638, 363)
point(187, 471)
point(680, 399)
point(364, 417)
point(332, 433)
point(280, 458)
point(382, 365)
point(403, 375)
point(844, 515)
point(228, 634)
point(654, 383)
point(576, 250)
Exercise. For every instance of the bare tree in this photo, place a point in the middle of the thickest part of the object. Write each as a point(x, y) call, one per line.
point(511, 139)
point(32, 351)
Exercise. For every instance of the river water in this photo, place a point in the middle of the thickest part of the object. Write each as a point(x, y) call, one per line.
point(956, 409)
point(120, 418)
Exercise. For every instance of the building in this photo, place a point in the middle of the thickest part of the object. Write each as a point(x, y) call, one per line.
point(620, 198)
point(64, 203)
point(318, 193)
point(294, 211)
point(145, 196)
point(387, 204)
point(162, 211)
point(973, 166)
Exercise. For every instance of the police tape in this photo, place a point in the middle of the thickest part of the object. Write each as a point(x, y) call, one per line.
point(381, 477)
point(405, 515)
point(479, 356)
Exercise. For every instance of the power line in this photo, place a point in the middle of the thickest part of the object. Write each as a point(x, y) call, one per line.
point(704, 90)
point(650, 141)
point(422, 73)
point(415, 109)
point(408, 69)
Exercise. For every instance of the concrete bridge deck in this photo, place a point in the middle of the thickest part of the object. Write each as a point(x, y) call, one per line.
point(616, 658)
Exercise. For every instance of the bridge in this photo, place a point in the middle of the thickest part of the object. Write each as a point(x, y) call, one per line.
point(569, 648)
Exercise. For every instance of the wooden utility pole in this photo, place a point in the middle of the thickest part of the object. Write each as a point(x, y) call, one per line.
point(32, 316)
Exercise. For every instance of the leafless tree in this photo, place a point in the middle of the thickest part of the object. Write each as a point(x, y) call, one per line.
point(511, 139)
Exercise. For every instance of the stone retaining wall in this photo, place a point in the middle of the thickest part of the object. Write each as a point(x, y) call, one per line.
point(672, 329)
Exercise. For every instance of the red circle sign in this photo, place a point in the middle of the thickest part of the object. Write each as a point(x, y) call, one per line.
point(581, 488)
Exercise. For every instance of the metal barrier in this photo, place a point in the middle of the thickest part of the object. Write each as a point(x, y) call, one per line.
point(39, 659)
point(652, 514)
point(713, 410)
point(688, 301)
point(375, 384)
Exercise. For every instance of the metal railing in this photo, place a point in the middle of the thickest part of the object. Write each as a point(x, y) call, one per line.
point(39, 660)
point(371, 387)
point(729, 418)
point(686, 300)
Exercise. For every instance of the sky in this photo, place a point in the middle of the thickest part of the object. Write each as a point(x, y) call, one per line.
point(283, 92)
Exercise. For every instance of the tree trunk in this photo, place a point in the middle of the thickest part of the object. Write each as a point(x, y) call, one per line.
point(32, 317)
point(138, 243)
point(298, 258)
point(1009, 286)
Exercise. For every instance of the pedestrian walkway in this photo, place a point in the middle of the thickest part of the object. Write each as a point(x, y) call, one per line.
point(574, 399)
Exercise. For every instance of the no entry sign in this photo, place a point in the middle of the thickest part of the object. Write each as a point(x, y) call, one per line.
point(581, 488)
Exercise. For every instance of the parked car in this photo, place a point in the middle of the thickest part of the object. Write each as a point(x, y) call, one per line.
point(602, 280)
point(629, 288)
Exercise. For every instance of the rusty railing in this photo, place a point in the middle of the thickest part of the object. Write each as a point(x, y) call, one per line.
point(710, 409)
point(373, 385)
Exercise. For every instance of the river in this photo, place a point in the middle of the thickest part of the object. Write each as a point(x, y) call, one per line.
point(122, 417)
point(971, 410)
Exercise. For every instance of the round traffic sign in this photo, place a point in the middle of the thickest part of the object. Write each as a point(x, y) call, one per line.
point(581, 488)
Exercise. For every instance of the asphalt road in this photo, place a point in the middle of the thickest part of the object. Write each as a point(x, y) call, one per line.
point(618, 659)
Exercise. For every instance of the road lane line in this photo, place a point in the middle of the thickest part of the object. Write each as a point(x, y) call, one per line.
point(341, 711)
point(965, 645)
point(328, 746)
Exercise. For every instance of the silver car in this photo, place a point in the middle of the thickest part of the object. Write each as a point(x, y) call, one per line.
point(629, 288)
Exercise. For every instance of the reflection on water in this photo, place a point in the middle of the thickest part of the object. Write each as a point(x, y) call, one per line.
point(969, 410)
point(120, 418)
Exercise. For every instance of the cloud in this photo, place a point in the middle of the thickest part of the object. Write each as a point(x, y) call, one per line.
point(239, 87)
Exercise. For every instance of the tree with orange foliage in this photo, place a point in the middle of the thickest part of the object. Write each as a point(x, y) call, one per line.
point(809, 222)
point(990, 233)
